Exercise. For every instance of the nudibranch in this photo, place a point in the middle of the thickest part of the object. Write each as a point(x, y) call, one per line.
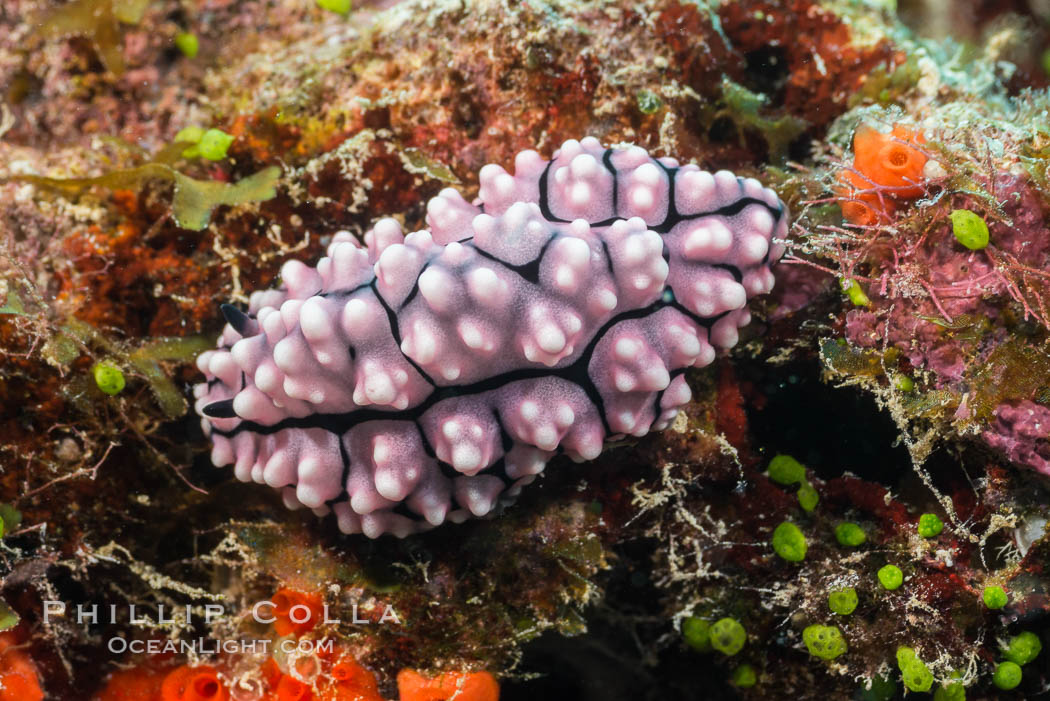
point(426, 378)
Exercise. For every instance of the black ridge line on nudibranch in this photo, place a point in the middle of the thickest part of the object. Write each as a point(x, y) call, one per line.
point(343, 495)
point(415, 287)
point(672, 205)
point(530, 272)
point(608, 259)
point(347, 293)
point(673, 218)
point(607, 162)
point(576, 372)
point(395, 330)
point(505, 439)
point(728, 210)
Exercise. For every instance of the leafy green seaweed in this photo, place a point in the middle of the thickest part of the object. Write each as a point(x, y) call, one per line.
point(194, 200)
point(99, 21)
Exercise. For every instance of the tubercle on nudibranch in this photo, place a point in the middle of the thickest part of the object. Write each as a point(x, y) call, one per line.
point(428, 377)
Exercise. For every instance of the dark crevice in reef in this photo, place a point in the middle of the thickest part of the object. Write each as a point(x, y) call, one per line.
point(767, 72)
point(620, 658)
point(832, 430)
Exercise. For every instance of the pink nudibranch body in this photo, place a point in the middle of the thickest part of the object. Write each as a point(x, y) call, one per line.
point(427, 378)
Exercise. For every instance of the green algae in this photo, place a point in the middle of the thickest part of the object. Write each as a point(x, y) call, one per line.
point(418, 162)
point(1014, 370)
point(97, 20)
point(744, 108)
point(147, 360)
point(193, 201)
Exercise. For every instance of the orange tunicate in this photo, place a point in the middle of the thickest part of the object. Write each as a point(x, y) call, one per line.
point(889, 163)
point(18, 678)
point(291, 689)
point(187, 683)
point(136, 684)
point(450, 686)
point(890, 159)
point(864, 208)
point(296, 612)
point(351, 682)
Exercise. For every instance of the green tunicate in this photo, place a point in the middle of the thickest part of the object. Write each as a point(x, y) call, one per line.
point(1023, 648)
point(855, 293)
point(728, 636)
point(786, 470)
point(338, 6)
point(930, 526)
point(187, 43)
point(914, 672)
point(697, 633)
point(789, 543)
point(969, 229)
point(891, 577)
point(825, 642)
point(108, 377)
point(843, 601)
point(807, 497)
point(648, 102)
point(1045, 60)
point(214, 143)
point(1007, 675)
point(11, 517)
point(850, 535)
point(994, 597)
point(953, 692)
point(190, 135)
point(881, 689)
point(8, 618)
point(905, 383)
point(744, 677)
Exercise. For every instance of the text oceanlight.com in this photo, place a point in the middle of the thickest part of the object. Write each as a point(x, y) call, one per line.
point(205, 646)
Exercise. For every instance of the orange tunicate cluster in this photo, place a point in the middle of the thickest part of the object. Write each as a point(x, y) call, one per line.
point(887, 169)
point(193, 684)
point(329, 675)
point(18, 677)
point(296, 612)
point(148, 683)
point(340, 678)
point(450, 686)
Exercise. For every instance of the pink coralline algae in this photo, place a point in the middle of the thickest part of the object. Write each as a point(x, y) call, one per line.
point(428, 377)
point(1020, 432)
